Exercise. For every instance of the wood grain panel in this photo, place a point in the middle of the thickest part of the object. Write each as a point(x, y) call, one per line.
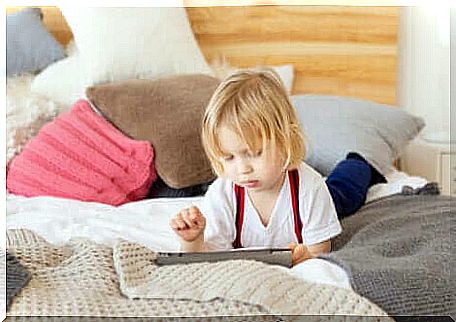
point(296, 23)
point(348, 51)
point(339, 50)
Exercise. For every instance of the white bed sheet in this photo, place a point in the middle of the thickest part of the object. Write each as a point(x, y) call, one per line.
point(147, 222)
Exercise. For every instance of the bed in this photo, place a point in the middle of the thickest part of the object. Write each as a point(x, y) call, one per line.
point(92, 254)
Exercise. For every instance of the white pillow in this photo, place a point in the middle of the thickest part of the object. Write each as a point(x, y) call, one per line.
point(115, 44)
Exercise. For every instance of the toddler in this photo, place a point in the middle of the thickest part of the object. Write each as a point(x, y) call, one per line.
point(265, 195)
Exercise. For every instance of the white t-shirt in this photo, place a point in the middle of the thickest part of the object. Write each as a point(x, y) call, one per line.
point(318, 215)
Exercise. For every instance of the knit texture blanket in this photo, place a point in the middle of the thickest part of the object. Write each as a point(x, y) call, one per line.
point(85, 278)
point(248, 281)
point(398, 250)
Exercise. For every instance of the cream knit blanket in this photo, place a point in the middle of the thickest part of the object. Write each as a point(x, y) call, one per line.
point(85, 278)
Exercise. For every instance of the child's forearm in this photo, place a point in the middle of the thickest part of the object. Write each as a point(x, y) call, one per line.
point(193, 246)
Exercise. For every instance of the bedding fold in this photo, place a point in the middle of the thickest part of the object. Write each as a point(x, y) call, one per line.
point(16, 276)
point(244, 280)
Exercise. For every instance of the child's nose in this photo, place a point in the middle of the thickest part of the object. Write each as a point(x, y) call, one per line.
point(244, 167)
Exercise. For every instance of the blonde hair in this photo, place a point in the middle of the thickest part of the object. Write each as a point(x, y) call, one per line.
point(255, 105)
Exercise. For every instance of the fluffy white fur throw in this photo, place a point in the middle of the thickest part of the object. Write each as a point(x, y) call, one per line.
point(26, 113)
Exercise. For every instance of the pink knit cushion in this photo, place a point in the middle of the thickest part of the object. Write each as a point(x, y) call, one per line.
point(82, 156)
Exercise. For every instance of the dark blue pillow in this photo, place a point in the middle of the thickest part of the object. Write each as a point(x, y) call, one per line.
point(29, 45)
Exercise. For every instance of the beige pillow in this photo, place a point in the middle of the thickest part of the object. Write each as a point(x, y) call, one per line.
point(167, 112)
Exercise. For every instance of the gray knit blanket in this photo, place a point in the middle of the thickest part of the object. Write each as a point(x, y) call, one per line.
point(398, 252)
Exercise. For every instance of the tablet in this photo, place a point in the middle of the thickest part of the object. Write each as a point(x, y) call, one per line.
point(273, 256)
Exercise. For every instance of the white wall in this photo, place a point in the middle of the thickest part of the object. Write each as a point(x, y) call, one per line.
point(424, 68)
point(453, 75)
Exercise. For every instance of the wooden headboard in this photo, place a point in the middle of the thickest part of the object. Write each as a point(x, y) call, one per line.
point(339, 50)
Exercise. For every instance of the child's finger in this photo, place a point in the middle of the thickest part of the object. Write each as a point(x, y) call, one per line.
point(173, 224)
point(176, 224)
point(300, 254)
point(180, 223)
point(196, 215)
point(292, 246)
point(303, 250)
point(187, 217)
point(194, 210)
point(197, 218)
point(201, 221)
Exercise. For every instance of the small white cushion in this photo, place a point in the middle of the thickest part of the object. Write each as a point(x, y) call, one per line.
point(115, 44)
point(286, 74)
point(223, 69)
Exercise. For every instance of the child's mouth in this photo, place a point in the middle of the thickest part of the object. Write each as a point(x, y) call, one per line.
point(250, 184)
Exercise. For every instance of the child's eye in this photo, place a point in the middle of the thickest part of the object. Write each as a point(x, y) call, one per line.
point(258, 153)
point(254, 154)
point(228, 157)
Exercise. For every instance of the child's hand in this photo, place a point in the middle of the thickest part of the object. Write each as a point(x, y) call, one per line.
point(299, 253)
point(189, 224)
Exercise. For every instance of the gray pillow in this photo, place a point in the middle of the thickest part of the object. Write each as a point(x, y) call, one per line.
point(335, 125)
point(29, 45)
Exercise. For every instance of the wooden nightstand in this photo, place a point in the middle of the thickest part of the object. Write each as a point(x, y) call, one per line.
point(434, 161)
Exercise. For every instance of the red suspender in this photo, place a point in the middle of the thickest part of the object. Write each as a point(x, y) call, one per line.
point(294, 187)
point(240, 198)
point(240, 194)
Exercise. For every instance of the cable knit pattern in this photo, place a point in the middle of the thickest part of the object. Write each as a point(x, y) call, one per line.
point(82, 278)
point(247, 281)
point(82, 156)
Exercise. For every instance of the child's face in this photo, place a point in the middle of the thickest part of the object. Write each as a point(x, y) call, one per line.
point(256, 170)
